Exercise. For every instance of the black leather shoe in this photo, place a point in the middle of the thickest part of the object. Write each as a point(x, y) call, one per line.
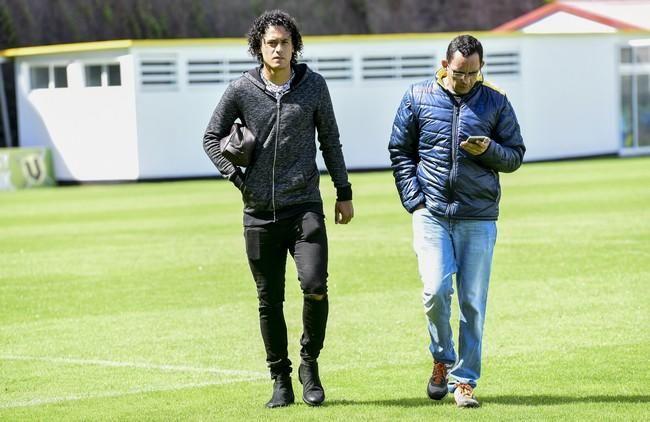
point(282, 392)
point(312, 390)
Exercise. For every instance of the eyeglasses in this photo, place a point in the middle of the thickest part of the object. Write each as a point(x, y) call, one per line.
point(456, 74)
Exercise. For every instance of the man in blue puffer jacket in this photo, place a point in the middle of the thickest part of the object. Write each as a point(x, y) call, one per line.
point(451, 137)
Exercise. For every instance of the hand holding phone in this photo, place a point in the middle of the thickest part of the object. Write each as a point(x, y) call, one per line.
point(476, 145)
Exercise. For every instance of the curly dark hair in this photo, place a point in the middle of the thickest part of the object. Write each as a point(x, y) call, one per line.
point(273, 18)
point(467, 45)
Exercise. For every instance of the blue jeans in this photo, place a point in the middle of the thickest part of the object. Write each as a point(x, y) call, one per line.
point(446, 247)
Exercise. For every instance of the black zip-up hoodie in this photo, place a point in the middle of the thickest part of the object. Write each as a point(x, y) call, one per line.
point(283, 172)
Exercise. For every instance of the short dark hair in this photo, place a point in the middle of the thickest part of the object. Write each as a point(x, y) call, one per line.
point(467, 45)
point(273, 18)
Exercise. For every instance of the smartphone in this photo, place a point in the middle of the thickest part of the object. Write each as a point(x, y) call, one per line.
point(476, 139)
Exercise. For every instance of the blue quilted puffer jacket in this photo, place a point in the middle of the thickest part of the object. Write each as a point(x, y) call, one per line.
point(429, 166)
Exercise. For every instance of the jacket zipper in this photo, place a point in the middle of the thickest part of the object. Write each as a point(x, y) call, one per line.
point(277, 137)
point(454, 166)
point(275, 154)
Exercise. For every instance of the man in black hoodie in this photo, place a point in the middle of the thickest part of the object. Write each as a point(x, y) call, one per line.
point(283, 104)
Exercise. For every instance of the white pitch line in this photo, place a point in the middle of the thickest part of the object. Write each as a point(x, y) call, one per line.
point(117, 364)
point(109, 394)
point(242, 376)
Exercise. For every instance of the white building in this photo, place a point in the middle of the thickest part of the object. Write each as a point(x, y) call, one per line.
point(583, 16)
point(132, 110)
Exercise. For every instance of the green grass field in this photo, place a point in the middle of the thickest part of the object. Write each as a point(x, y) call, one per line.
point(135, 302)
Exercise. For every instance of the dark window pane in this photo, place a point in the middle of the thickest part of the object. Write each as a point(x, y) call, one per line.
point(626, 55)
point(114, 77)
point(643, 97)
point(627, 124)
point(60, 77)
point(642, 54)
point(93, 75)
point(39, 77)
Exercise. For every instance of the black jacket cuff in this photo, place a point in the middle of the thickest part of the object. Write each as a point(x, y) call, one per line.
point(344, 193)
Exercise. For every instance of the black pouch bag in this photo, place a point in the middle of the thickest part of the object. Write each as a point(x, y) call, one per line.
point(238, 146)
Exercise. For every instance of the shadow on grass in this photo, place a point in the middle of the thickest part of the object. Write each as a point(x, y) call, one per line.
point(537, 400)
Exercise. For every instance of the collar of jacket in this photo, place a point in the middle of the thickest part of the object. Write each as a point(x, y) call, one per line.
point(442, 72)
point(300, 72)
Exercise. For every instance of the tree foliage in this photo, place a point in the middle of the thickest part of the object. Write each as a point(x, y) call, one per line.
point(41, 22)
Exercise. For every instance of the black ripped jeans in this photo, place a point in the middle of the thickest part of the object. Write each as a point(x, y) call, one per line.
point(305, 238)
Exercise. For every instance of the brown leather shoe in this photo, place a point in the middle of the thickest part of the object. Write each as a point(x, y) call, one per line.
point(437, 387)
point(464, 395)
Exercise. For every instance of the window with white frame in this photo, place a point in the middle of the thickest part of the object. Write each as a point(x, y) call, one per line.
point(216, 71)
point(501, 63)
point(331, 68)
point(206, 72)
point(397, 67)
point(159, 73)
point(105, 74)
point(48, 76)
